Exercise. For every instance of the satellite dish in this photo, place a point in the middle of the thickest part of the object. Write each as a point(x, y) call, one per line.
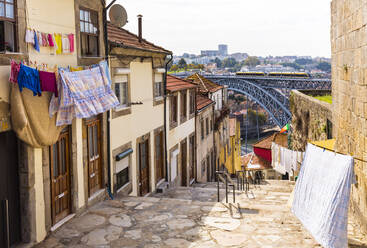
point(118, 15)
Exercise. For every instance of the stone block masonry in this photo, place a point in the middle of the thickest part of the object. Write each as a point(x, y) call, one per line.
point(349, 90)
point(309, 118)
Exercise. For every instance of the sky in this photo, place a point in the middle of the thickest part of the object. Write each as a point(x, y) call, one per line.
point(256, 27)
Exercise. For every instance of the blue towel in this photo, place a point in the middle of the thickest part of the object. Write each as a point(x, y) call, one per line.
point(29, 78)
point(36, 44)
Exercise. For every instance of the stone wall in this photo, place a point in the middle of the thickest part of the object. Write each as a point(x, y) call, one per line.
point(309, 118)
point(349, 71)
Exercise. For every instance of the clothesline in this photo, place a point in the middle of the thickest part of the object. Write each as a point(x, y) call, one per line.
point(355, 158)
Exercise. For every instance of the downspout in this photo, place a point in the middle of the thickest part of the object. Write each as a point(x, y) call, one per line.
point(109, 184)
point(165, 114)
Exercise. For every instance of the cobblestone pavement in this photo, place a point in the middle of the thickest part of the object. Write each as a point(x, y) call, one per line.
point(190, 217)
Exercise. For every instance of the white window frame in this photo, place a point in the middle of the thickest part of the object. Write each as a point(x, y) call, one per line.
point(156, 82)
point(117, 80)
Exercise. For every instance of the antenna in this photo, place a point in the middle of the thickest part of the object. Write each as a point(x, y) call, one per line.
point(118, 15)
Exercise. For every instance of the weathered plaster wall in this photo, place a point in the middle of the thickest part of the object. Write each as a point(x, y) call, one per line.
point(204, 146)
point(309, 118)
point(144, 118)
point(349, 71)
point(176, 135)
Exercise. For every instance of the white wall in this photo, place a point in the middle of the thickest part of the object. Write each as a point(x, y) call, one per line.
point(183, 130)
point(142, 120)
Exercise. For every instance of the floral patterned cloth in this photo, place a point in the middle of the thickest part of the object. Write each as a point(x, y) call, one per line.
point(83, 94)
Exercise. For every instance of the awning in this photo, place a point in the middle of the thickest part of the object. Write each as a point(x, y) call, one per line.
point(327, 144)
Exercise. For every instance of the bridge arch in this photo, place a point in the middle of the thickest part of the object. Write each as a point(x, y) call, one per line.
point(276, 109)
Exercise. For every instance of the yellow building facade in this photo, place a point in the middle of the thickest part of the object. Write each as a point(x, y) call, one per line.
point(40, 169)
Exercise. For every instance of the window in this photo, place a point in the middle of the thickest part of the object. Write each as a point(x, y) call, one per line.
point(174, 109)
point(203, 167)
point(211, 125)
point(122, 90)
point(122, 178)
point(7, 26)
point(89, 33)
point(158, 85)
point(202, 129)
point(183, 104)
point(192, 102)
point(207, 126)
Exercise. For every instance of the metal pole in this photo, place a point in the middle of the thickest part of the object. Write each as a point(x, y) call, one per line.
point(246, 124)
point(257, 121)
point(234, 195)
point(6, 206)
point(226, 190)
point(218, 185)
point(238, 178)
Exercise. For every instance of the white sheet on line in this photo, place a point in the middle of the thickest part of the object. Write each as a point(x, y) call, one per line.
point(322, 195)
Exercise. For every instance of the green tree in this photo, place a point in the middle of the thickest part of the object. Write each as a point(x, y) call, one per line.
point(174, 68)
point(324, 66)
point(182, 63)
point(303, 61)
point(252, 118)
point(218, 62)
point(229, 63)
point(252, 61)
point(293, 65)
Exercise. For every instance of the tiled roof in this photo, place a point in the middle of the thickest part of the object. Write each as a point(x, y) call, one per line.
point(278, 138)
point(202, 102)
point(205, 85)
point(125, 39)
point(176, 84)
point(256, 162)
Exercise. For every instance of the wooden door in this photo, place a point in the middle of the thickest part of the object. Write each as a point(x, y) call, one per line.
point(159, 159)
point(144, 167)
point(60, 178)
point(184, 163)
point(94, 156)
point(192, 158)
point(9, 189)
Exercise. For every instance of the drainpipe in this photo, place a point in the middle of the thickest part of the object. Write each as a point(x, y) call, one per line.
point(108, 112)
point(165, 114)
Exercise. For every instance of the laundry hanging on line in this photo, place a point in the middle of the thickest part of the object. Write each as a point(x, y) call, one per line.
point(285, 160)
point(83, 94)
point(322, 193)
point(61, 43)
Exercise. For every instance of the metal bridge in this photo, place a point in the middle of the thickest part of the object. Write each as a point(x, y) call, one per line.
point(271, 93)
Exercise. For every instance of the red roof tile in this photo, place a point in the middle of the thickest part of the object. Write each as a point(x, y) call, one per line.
point(278, 138)
point(255, 161)
point(202, 102)
point(125, 39)
point(205, 85)
point(176, 84)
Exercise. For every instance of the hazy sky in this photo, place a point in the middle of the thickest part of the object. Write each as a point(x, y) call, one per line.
point(257, 27)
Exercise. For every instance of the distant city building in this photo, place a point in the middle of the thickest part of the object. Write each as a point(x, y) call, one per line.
point(209, 53)
point(223, 50)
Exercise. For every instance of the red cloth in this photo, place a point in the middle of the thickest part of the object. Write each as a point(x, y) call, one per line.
point(264, 153)
point(14, 71)
point(71, 41)
point(50, 40)
point(48, 82)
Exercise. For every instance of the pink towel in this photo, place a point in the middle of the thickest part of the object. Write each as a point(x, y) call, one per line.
point(15, 67)
point(50, 40)
point(48, 82)
point(71, 41)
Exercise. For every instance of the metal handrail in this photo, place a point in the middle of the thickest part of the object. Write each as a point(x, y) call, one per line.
point(242, 182)
point(224, 177)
